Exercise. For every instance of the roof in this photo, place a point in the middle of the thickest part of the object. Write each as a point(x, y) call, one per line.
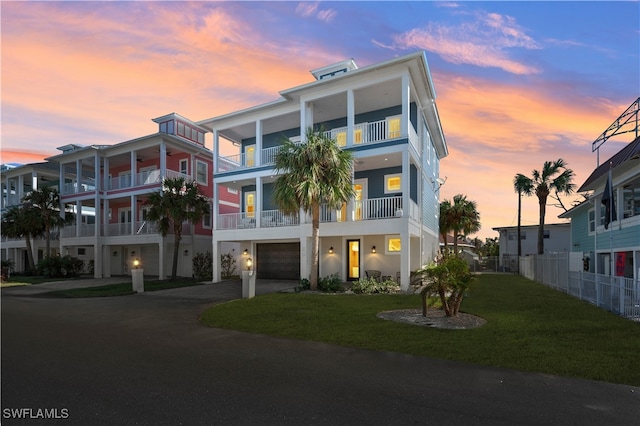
point(629, 152)
point(546, 225)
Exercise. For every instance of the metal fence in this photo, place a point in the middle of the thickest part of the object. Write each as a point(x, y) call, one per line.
point(619, 295)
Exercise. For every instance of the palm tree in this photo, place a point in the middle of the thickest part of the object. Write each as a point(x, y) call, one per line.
point(21, 222)
point(523, 185)
point(46, 202)
point(179, 201)
point(544, 182)
point(461, 217)
point(444, 225)
point(313, 173)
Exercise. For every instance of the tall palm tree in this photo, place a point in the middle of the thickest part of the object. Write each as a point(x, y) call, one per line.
point(21, 222)
point(179, 201)
point(313, 173)
point(523, 185)
point(461, 217)
point(544, 182)
point(46, 202)
point(443, 222)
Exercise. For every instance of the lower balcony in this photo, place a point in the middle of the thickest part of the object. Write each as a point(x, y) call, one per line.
point(370, 209)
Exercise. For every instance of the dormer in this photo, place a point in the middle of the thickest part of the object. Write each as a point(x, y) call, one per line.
point(334, 70)
point(176, 125)
point(69, 148)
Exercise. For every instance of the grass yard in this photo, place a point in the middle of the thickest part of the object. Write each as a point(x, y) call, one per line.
point(122, 289)
point(529, 327)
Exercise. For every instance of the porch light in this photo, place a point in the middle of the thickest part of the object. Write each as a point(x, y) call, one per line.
point(186, 252)
point(246, 252)
point(373, 249)
point(331, 250)
point(115, 253)
point(249, 264)
point(136, 263)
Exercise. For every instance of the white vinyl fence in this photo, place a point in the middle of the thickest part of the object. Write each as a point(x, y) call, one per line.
point(619, 295)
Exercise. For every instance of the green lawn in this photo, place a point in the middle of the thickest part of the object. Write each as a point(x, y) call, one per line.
point(122, 289)
point(529, 327)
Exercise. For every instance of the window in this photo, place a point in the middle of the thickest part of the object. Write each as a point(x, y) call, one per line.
point(232, 191)
point(631, 199)
point(592, 220)
point(547, 233)
point(341, 138)
point(357, 136)
point(250, 155)
point(249, 204)
point(180, 129)
point(184, 166)
point(201, 172)
point(81, 251)
point(206, 221)
point(513, 235)
point(393, 127)
point(392, 244)
point(392, 183)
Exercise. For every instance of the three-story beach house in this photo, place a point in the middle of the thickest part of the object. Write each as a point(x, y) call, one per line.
point(107, 185)
point(386, 115)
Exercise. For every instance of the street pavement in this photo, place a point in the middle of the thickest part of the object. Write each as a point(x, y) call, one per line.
point(145, 359)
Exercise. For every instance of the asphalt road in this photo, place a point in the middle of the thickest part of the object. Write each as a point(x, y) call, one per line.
point(145, 360)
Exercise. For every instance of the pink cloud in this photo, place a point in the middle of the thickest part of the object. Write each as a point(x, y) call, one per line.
point(482, 42)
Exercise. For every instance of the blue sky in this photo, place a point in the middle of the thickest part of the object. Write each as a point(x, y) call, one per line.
point(518, 83)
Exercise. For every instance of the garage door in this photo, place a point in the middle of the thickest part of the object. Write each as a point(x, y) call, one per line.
point(278, 261)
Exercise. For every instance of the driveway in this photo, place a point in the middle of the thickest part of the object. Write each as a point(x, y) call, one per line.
point(145, 360)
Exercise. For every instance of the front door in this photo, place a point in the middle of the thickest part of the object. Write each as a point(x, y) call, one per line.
point(353, 260)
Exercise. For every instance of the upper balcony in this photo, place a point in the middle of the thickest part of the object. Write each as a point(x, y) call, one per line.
point(123, 182)
point(367, 133)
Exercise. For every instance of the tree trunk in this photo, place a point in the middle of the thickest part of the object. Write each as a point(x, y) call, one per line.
point(543, 210)
point(174, 267)
point(32, 265)
point(519, 218)
point(315, 236)
point(423, 293)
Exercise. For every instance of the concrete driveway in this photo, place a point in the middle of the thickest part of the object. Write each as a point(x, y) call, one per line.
point(146, 360)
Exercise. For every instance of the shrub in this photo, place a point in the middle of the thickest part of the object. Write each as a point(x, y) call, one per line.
point(227, 265)
point(203, 266)
point(59, 267)
point(330, 284)
point(373, 286)
point(449, 277)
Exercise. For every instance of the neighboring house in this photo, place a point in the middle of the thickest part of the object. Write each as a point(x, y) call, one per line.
point(557, 239)
point(17, 181)
point(613, 249)
point(107, 185)
point(386, 115)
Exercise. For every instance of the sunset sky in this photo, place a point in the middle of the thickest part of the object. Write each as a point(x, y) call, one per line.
point(517, 83)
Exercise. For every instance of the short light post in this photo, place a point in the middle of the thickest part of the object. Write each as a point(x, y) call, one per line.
point(248, 281)
point(137, 276)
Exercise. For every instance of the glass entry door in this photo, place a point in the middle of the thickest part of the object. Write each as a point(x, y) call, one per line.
point(353, 260)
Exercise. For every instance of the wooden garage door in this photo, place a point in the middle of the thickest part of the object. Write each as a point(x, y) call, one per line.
point(278, 261)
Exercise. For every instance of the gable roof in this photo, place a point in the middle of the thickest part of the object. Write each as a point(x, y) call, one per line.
point(629, 152)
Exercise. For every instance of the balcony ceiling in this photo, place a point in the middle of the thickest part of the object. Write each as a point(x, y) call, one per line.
point(325, 109)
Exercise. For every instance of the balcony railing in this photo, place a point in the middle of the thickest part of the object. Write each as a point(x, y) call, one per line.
point(375, 208)
point(142, 227)
point(151, 177)
point(363, 133)
point(85, 230)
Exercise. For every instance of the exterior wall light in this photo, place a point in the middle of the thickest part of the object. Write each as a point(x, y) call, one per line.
point(373, 249)
point(246, 252)
point(331, 250)
point(136, 263)
point(249, 264)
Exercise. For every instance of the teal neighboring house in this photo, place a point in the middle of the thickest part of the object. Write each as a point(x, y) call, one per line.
point(609, 237)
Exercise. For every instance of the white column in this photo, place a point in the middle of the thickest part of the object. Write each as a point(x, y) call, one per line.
point(34, 181)
point(258, 152)
point(405, 259)
point(163, 159)
point(404, 123)
point(216, 150)
point(215, 208)
point(132, 199)
point(20, 188)
point(78, 217)
point(61, 177)
point(215, 256)
point(132, 167)
point(351, 117)
point(306, 118)
point(304, 257)
point(78, 176)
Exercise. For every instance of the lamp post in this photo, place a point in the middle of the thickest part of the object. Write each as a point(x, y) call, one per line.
point(248, 281)
point(137, 276)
